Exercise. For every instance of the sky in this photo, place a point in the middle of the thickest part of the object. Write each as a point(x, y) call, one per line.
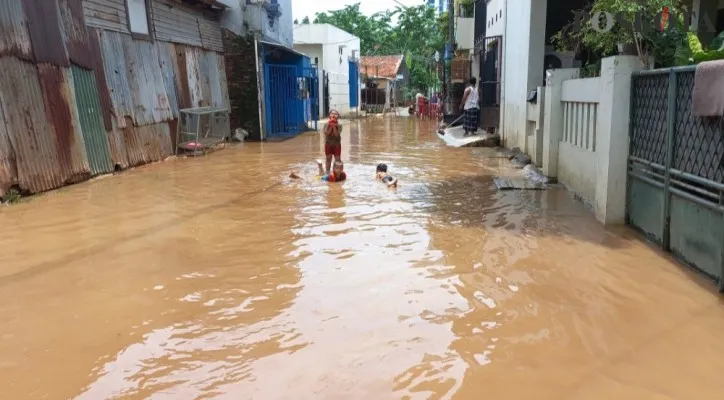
point(302, 8)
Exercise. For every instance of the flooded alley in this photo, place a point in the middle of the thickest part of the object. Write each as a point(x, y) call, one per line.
point(219, 277)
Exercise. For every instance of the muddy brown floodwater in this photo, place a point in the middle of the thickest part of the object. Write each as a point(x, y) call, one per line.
point(218, 277)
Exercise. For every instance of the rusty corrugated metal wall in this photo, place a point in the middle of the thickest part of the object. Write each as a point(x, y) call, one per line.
point(45, 32)
point(91, 121)
point(75, 101)
point(75, 33)
point(106, 14)
point(14, 35)
point(31, 133)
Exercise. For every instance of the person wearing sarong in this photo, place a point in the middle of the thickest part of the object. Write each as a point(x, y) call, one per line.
point(471, 110)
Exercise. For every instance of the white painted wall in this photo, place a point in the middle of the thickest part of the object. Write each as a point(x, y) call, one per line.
point(331, 45)
point(465, 33)
point(524, 50)
point(258, 22)
point(495, 13)
point(591, 163)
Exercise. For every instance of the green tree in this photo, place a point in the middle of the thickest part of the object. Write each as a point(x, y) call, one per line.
point(305, 20)
point(418, 33)
point(638, 27)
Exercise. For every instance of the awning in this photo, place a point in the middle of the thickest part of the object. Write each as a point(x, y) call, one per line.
point(281, 47)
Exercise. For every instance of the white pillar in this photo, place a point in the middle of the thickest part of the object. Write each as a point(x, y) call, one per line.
point(553, 118)
point(612, 137)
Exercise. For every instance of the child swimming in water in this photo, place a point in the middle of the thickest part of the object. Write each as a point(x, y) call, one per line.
point(386, 178)
point(336, 175)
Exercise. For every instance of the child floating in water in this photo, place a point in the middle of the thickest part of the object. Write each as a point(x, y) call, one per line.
point(337, 174)
point(386, 178)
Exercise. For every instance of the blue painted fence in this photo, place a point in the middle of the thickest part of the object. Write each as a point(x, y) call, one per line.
point(291, 99)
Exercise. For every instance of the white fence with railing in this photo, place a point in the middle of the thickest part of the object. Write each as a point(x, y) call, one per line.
point(585, 134)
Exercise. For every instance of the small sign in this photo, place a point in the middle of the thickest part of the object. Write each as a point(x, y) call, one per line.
point(400, 77)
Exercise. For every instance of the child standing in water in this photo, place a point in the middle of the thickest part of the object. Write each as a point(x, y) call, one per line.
point(333, 140)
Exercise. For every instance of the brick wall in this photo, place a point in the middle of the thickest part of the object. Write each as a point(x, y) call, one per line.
point(242, 81)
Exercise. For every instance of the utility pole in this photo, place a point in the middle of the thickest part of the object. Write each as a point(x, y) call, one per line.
point(448, 67)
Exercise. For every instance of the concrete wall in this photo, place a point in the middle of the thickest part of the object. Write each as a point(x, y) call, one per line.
point(585, 134)
point(524, 49)
point(336, 47)
point(495, 24)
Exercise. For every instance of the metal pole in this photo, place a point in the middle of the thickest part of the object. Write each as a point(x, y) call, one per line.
point(448, 78)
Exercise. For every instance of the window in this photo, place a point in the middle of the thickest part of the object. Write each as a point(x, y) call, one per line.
point(138, 17)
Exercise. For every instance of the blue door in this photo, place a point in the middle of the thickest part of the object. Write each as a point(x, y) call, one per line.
point(284, 105)
point(353, 84)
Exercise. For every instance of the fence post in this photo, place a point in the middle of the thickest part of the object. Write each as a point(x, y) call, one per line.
point(612, 133)
point(553, 118)
point(670, 132)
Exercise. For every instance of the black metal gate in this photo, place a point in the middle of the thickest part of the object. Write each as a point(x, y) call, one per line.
point(325, 109)
point(675, 193)
point(490, 51)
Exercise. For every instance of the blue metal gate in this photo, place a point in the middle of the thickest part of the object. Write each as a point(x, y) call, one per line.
point(353, 84)
point(312, 84)
point(292, 99)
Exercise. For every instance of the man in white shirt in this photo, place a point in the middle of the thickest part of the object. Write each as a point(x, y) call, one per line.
point(470, 108)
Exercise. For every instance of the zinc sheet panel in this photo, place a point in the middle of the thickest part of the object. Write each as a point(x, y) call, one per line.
point(216, 98)
point(96, 57)
point(106, 14)
point(8, 169)
point(75, 33)
point(117, 147)
point(174, 22)
point(204, 77)
point(149, 143)
point(148, 90)
point(167, 61)
point(116, 71)
point(180, 69)
point(27, 126)
point(193, 76)
point(91, 121)
point(211, 38)
point(56, 83)
point(223, 85)
point(14, 35)
point(45, 32)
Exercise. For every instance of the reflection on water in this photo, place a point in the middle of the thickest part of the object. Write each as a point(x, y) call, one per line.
point(218, 277)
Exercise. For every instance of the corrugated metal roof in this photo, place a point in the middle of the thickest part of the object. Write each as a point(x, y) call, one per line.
point(210, 29)
point(148, 90)
point(167, 60)
point(31, 135)
point(114, 61)
point(91, 121)
point(106, 14)
point(14, 35)
point(45, 31)
point(56, 84)
point(8, 168)
point(176, 23)
point(96, 57)
point(75, 33)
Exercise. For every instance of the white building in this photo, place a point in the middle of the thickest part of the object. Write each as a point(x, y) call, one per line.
point(336, 54)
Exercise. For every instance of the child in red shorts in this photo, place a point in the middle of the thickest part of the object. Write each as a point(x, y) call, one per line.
point(333, 140)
